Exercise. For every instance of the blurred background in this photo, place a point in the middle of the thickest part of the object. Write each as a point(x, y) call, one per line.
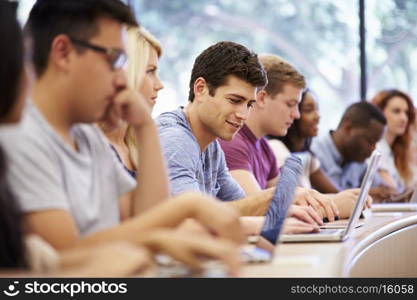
point(320, 37)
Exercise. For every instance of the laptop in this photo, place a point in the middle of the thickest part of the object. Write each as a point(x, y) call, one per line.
point(339, 235)
point(397, 207)
point(263, 245)
point(260, 248)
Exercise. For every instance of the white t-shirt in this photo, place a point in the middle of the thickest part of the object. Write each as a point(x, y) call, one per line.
point(388, 163)
point(45, 173)
point(310, 163)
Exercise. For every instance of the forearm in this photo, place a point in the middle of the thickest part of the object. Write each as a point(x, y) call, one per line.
point(254, 205)
point(322, 183)
point(152, 176)
point(167, 215)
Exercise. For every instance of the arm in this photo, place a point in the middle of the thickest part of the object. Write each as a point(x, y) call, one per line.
point(58, 228)
point(387, 178)
point(254, 205)
point(247, 181)
point(152, 181)
point(322, 183)
point(152, 178)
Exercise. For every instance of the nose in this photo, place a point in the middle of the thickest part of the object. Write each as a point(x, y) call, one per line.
point(296, 113)
point(317, 116)
point(158, 84)
point(404, 117)
point(242, 112)
point(120, 79)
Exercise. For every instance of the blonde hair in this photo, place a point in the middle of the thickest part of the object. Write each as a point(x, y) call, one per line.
point(279, 73)
point(139, 44)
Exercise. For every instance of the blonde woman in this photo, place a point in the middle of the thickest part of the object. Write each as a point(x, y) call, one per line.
point(144, 52)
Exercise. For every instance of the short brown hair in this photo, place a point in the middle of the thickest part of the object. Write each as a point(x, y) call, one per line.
point(219, 61)
point(280, 72)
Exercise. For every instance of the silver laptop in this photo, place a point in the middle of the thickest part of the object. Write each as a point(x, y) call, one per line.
point(397, 207)
point(260, 248)
point(339, 235)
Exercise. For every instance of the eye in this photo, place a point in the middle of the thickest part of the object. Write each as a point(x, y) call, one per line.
point(234, 101)
point(250, 104)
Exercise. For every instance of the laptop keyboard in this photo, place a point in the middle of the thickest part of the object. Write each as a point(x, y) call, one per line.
point(329, 231)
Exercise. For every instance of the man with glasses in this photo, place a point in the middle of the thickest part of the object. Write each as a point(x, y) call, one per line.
point(71, 188)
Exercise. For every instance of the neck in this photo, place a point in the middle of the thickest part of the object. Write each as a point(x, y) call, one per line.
point(49, 99)
point(117, 136)
point(389, 137)
point(298, 142)
point(203, 135)
point(338, 138)
point(254, 122)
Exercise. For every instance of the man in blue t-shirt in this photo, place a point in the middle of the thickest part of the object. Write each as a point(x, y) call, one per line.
point(223, 86)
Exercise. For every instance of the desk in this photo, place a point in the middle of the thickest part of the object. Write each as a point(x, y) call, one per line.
point(386, 246)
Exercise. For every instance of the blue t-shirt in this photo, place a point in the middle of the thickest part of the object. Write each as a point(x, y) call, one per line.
point(346, 175)
point(189, 169)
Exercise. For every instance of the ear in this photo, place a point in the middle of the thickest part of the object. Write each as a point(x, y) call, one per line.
point(347, 127)
point(200, 88)
point(60, 54)
point(261, 96)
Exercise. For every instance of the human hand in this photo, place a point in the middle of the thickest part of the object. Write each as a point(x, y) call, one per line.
point(382, 193)
point(294, 226)
point(323, 204)
point(306, 214)
point(346, 201)
point(116, 259)
point(221, 219)
point(128, 106)
point(194, 250)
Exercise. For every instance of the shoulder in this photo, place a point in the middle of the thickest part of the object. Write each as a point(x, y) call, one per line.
point(239, 144)
point(91, 135)
point(321, 146)
point(383, 147)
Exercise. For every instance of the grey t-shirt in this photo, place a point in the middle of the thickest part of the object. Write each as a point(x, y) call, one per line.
point(45, 173)
point(190, 169)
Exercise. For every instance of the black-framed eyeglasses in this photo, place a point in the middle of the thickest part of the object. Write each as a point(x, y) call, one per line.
point(116, 57)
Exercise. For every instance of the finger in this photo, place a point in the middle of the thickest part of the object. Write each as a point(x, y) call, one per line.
point(314, 215)
point(335, 209)
point(313, 202)
point(304, 215)
point(326, 203)
point(186, 255)
point(305, 229)
point(222, 250)
point(229, 229)
point(329, 211)
point(369, 201)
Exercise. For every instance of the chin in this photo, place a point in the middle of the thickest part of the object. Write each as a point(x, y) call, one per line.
point(282, 132)
point(227, 136)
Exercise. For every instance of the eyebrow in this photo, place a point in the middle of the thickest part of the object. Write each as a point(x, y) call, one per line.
point(241, 98)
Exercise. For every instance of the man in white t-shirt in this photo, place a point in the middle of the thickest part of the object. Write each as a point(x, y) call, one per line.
point(70, 186)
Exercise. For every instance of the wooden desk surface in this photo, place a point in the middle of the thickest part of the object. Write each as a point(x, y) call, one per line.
point(331, 259)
